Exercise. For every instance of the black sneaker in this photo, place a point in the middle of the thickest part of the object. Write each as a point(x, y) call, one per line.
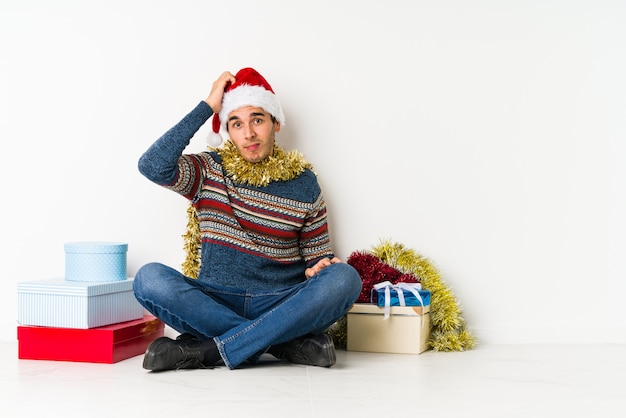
point(312, 350)
point(167, 354)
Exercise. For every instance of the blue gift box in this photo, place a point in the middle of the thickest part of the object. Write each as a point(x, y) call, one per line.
point(95, 261)
point(71, 304)
point(378, 297)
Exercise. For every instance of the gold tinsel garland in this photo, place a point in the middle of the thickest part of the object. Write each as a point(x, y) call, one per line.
point(449, 331)
point(280, 166)
point(448, 328)
point(192, 244)
point(339, 332)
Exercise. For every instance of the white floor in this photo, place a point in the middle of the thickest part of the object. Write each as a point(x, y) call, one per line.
point(490, 381)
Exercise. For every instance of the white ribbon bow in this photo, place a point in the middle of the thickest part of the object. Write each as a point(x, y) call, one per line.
point(399, 288)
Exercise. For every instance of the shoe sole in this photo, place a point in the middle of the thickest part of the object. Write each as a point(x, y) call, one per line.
point(331, 356)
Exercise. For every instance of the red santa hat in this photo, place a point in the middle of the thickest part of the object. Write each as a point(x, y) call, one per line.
point(249, 89)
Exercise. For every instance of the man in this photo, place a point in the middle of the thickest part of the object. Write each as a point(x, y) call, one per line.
point(268, 281)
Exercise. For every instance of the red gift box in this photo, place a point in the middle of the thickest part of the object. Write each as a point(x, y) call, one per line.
point(107, 344)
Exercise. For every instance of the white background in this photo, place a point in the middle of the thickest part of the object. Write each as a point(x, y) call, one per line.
point(489, 136)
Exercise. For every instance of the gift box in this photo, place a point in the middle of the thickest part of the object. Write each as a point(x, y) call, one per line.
point(108, 344)
point(406, 298)
point(95, 261)
point(69, 304)
point(405, 331)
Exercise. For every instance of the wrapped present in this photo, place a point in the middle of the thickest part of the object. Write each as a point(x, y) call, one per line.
point(386, 295)
point(108, 344)
point(70, 304)
point(405, 331)
point(95, 261)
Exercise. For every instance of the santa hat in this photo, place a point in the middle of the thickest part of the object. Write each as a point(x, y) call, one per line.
point(249, 89)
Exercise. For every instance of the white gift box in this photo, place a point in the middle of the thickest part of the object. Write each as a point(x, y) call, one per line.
point(406, 330)
point(70, 304)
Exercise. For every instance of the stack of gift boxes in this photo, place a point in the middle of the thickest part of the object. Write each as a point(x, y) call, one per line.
point(90, 315)
point(397, 320)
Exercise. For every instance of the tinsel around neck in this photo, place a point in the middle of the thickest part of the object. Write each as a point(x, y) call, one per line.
point(280, 166)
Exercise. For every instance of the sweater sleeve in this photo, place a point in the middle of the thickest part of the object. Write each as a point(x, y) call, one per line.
point(160, 163)
point(314, 236)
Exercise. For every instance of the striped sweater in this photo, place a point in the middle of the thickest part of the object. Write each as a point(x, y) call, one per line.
point(252, 237)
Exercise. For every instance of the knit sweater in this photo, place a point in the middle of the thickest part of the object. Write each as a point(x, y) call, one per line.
point(252, 237)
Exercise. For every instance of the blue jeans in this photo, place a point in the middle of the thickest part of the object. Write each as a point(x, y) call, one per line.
point(245, 323)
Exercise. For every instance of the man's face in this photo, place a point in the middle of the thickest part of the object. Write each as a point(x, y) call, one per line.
point(252, 131)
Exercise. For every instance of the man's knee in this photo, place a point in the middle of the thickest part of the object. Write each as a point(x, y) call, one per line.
point(353, 280)
point(147, 277)
point(344, 280)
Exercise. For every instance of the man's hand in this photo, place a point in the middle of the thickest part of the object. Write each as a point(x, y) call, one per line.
point(217, 91)
point(321, 265)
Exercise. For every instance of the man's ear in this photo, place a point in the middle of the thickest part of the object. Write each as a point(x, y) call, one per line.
point(277, 126)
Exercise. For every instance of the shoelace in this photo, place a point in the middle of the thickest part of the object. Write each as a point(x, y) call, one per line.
point(192, 363)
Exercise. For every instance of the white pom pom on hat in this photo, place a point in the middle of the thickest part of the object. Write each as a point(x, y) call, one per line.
point(249, 89)
point(214, 140)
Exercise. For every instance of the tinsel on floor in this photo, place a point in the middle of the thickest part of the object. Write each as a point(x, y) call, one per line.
point(393, 262)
